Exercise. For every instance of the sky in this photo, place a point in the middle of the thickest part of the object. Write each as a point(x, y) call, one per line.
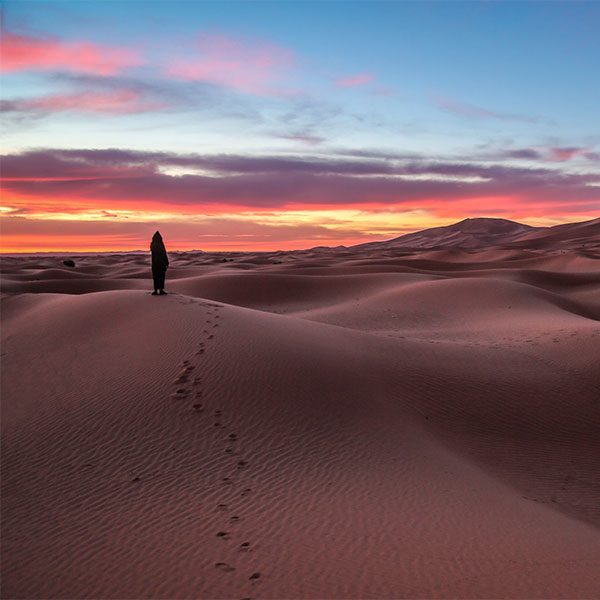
point(287, 125)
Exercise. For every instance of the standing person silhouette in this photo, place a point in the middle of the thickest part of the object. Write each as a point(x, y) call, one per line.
point(160, 262)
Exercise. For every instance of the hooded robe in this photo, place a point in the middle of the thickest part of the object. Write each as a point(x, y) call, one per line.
point(160, 261)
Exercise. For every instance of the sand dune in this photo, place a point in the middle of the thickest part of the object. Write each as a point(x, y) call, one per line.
point(482, 233)
point(320, 424)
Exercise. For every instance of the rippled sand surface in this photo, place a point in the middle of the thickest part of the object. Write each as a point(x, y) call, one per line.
point(349, 423)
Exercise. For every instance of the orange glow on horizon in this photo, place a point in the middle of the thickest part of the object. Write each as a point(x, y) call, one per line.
point(36, 223)
point(91, 244)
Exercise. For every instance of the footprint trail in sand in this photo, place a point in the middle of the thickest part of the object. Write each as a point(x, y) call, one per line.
point(189, 383)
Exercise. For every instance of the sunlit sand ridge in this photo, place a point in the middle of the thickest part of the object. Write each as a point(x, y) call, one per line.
point(370, 422)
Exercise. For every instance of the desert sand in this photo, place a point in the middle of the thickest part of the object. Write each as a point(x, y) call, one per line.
point(368, 422)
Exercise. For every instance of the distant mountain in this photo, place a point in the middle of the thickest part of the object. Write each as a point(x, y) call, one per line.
point(480, 233)
point(470, 233)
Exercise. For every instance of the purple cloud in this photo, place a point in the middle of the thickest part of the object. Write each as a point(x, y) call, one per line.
point(140, 178)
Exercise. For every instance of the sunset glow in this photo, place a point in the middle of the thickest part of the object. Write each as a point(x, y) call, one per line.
point(261, 126)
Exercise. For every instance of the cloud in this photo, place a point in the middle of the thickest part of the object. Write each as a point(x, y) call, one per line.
point(563, 154)
point(311, 140)
point(553, 154)
point(120, 102)
point(354, 80)
point(523, 153)
point(59, 180)
point(469, 110)
point(23, 53)
point(125, 95)
point(249, 65)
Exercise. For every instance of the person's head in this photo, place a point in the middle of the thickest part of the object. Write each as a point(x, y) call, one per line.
point(157, 235)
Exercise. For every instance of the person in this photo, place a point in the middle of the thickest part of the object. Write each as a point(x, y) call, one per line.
point(160, 262)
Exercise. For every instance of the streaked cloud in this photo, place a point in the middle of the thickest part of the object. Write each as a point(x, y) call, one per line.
point(250, 65)
point(550, 154)
point(110, 199)
point(121, 102)
point(120, 179)
point(355, 80)
point(212, 232)
point(469, 110)
point(564, 154)
point(25, 52)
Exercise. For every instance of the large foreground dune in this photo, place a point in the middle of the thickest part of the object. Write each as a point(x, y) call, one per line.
point(353, 423)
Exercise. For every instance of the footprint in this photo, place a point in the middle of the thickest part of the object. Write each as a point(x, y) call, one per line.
point(223, 534)
point(218, 413)
point(222, 507)
point(198, 407)
point(211, 336)
point(255, 576)
point(244, 546)
point(183, 375)
point(227, 568)
point(246, 492)
point(242, 464)
point(232, 436)
point(227, 480)
point(235, 519)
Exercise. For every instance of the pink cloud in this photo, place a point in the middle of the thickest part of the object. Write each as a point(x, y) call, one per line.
point(20, 52)
point(563, 154)
point(354, 80)
point(121, 102)
point(251, 66)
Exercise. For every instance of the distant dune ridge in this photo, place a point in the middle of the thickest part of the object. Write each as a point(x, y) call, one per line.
point(482, 233)
point(381, 421)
